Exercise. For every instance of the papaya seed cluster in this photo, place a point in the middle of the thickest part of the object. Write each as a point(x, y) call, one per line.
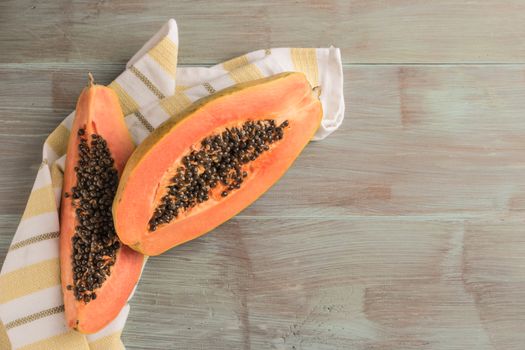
point(95, 243)
point(218, 163)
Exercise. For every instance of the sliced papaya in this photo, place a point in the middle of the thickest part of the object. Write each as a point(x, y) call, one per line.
point(205, 165)
point(98, 273)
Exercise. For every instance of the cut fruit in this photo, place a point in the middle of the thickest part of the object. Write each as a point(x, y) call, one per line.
point(98, 273)
point(207, 164)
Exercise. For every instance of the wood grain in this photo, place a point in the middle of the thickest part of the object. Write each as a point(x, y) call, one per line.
point(417, 140)
point(400, 31)
point(402, 230)
point(334, 284)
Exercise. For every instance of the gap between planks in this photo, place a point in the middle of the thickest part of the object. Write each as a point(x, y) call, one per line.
point(116, 65)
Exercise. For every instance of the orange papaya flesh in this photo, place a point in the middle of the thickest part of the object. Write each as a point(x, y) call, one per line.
point(98, 273)
point(157, 207)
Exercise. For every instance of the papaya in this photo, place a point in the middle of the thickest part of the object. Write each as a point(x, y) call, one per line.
point(98, 273)
point(209, 162)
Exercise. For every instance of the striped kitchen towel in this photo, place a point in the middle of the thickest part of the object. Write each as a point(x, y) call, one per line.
point(31, 306)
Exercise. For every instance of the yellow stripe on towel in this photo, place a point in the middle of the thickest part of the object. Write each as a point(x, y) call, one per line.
point(235, 63)
point(57, 176)
point(127, 102)
point(246, 73)
point(174, 104)
point(29, 279)
point(111, 341)
point(181, 88)
point(70, 340)
point(5, 344)
point(165, 53)
point(40, 201)
point(57, 140)
point(305, 60)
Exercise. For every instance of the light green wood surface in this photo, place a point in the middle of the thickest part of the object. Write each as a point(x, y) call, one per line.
point(402, 230)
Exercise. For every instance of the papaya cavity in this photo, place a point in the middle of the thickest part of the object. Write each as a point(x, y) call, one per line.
point(215, 167)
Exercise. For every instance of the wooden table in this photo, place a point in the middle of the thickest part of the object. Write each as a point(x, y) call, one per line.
point(402, 230)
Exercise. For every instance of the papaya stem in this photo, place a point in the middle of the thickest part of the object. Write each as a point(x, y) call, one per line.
point(91, 81)
point(317, 90)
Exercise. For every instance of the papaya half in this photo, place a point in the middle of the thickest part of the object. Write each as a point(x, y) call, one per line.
point(98, 273)
point(212, 160)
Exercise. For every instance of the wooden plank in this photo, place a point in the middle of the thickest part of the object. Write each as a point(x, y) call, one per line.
point(402, 31)
point(334, 284)
point(417, 140)
point(49, 87)
point(493, 273)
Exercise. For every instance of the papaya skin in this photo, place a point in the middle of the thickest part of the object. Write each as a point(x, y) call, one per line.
point(98, 111)
point(284, 96)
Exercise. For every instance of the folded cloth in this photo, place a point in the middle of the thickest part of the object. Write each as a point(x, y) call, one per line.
point(31, 305)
